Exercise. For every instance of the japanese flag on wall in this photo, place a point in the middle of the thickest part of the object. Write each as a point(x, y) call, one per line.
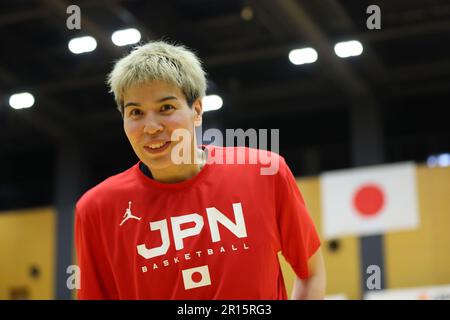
point(368, 201)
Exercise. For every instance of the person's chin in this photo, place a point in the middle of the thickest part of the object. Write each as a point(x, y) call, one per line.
point(158, 164)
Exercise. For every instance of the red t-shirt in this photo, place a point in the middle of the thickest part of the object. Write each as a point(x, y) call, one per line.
point(214, 236)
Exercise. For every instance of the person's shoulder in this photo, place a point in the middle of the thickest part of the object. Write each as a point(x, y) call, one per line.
point(248, 159)
point(249, 154)
point(97, 195)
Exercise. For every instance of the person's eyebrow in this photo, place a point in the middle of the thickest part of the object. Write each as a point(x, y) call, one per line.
point(132, 104)
point(166, 98)
point(136, 104)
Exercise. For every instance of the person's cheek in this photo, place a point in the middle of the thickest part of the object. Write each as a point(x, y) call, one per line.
point(131, 131)
point(171, 124)
point(180, 120)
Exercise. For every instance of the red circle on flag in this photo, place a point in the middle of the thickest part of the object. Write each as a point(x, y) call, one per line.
point(196, 277)
point(369, 200)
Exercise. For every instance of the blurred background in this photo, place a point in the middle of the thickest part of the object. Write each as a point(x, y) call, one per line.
point(347, 89)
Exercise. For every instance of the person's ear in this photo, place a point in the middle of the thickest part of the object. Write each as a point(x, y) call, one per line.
point(198, 112)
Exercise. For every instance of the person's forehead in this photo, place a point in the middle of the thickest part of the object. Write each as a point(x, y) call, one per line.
point(153, 89)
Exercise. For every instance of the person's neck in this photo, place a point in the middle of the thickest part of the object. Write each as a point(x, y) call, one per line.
point(181, 172)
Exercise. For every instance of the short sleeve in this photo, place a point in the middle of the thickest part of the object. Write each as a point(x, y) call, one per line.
point(298, 236)
point(96, 278)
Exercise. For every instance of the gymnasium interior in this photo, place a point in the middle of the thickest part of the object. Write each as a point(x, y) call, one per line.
point(357, 89)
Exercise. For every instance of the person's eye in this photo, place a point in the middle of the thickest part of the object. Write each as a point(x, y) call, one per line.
point(135, 113)
point(167, 107)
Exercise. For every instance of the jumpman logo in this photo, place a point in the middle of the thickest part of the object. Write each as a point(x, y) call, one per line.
point(128, 214)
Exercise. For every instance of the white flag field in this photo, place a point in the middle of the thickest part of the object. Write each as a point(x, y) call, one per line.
point(369, 200)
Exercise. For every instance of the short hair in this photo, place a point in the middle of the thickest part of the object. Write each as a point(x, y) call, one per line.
point(159, 60)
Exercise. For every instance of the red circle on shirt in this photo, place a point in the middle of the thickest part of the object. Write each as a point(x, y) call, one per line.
point(369, 200)
point(196, 277)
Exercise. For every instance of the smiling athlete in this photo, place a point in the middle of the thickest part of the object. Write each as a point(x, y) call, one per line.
point(205, 228)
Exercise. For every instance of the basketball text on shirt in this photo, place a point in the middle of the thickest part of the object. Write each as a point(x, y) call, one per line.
point(214, 217)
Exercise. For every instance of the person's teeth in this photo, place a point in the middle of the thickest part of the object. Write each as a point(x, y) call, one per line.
point(156, 146)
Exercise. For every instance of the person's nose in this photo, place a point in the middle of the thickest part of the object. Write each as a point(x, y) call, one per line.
point(153, 124)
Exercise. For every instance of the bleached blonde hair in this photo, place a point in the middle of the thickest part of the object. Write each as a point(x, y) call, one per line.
point(159, 60)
